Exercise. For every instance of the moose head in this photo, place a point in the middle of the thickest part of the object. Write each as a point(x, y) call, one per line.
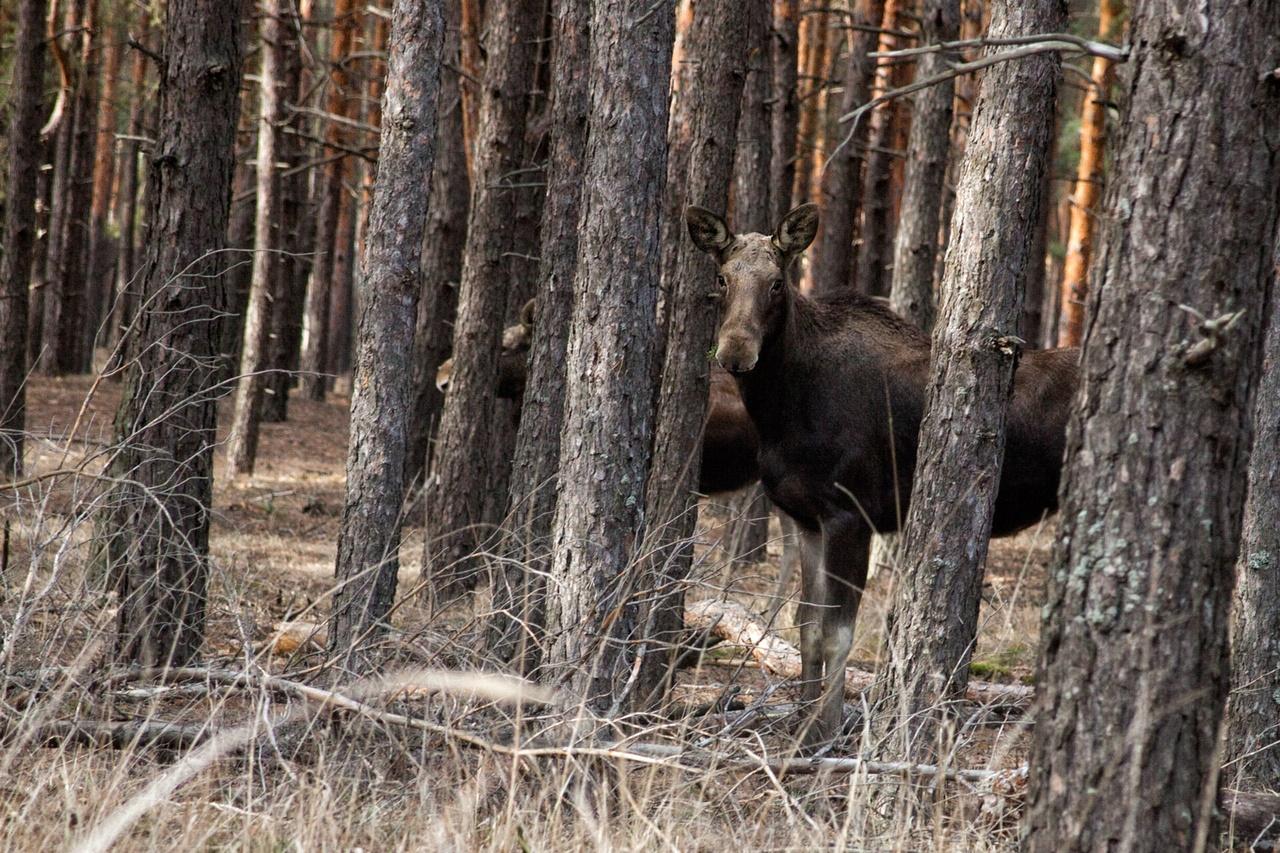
point(754, 269)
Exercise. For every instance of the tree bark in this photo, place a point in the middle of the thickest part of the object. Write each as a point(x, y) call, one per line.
point(712, 102)
point(875, 246)
point(753, 212)
point(1253, 736)
point(1141, 577)
point(24, 114)
point(842, 182)
point(126, 300)
point(294, 227)
point(455, 518)
point(64, 320)
point(442, 247)
point(320, 289)
point(264, 291)
point(609, 397)
point(753, 153)
point(342, 282)
point(812, 106)
point(158, 523)
point(1088, 190)
point(916, 237)
point(472, 25)
point(240, 238)
point(99, 269)
point(935, 616)
point(519, 589)
point(369, 542)
point(785, 116)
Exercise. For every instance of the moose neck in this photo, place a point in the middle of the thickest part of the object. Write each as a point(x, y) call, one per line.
point(769, 388)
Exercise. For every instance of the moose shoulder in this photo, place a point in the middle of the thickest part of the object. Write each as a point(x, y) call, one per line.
point(836, 390)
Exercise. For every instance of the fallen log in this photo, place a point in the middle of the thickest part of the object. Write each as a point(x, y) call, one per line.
point(734, 623)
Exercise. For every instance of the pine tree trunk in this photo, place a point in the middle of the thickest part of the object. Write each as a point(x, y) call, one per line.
point(961, 450)
point(1253, 736)
point(369, 542)
point(342, 282)
point(752, 212)
point(443, 244)
point(875, 247)
point(712, 102)
point(240, 238)
point(291, 266)
point(812, 104)
point(519, 589)
point(842, 183)
point(99, 278)
point(472, 25)
point(604, 465)
point(455, 519)
point(24, 113)
point(65, 301)
point(785, 117)
point(320, 290)
point(916, 238)
point(158, 523)
point(125, 304)
point(1134, 670)
point(1088, 190)
point(242, 441)
point(753, 153)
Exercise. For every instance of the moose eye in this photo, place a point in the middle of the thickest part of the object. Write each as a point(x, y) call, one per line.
point(776, 287)
point(721, 282)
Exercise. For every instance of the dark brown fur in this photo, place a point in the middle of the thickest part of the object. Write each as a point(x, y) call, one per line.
point(836, 389)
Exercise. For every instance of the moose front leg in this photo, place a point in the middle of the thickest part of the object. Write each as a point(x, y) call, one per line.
point(813, 600)
point(846, 547)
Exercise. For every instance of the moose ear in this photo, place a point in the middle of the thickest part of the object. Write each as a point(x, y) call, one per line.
point(527, 313)
point(797, 230)
point(708, 231)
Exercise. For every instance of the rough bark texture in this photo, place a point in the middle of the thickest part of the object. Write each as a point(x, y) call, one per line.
point(875, 245)
point(126, 292)
point(455, 497)
point(264, 290)
point(935, 616)
point(519, 589)
point(442, 245)
point(329, 190)
point(294, 228)
point(786, 108)
point(1141, 576)
point(158, 524)
point(24, 108)
point(752, 212)
point(608, 422)
point(916, 237)
point(1088, 190)
point(369, 541)
point(753, 153)
point(101, 245)
point(1253, 740)
point(717, 55)
point(815, 48)
point(842, 181)
point(472, 24)
point(342, 278)
point(64, 321)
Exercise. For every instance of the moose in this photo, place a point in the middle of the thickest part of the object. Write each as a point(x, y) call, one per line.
point(729, 445)
point(836, 386)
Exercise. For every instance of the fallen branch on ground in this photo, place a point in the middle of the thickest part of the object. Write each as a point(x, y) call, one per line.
point(733, 623)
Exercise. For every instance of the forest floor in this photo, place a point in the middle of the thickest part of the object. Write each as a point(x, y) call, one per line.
point(274, 540)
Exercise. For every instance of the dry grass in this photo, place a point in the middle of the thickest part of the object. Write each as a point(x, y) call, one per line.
point(308, 776)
